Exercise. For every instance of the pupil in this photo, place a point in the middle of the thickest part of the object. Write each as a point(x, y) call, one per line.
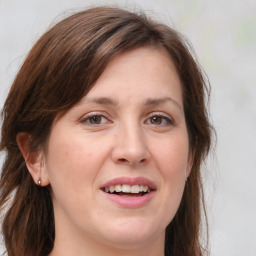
point(156, 120)
point(95, 119)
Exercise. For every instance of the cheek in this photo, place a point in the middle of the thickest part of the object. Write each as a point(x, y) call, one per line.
point(172, 161)
point(172, 156)
point(74, 161)
point(68, 161)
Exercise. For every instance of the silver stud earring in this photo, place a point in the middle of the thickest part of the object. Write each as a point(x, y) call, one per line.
point(39, 182)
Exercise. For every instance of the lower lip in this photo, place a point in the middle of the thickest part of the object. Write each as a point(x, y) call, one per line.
point(130, 201)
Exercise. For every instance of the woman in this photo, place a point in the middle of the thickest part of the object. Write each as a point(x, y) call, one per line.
point(105, 128)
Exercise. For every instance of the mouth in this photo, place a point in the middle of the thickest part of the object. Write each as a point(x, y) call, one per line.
point(129, 192)
point(129, 187)
point(126, 190)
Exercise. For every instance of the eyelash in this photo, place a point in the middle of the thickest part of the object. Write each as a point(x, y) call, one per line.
point(163, 118)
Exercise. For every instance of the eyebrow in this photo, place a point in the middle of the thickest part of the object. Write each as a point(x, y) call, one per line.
point(149, 102)
point(160, 101)
point(103, 101)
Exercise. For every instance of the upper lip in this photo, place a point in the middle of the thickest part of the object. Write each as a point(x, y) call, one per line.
point(130, 181)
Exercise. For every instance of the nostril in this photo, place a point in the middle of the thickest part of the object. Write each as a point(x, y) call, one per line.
point(126, 161)
point(123, 160)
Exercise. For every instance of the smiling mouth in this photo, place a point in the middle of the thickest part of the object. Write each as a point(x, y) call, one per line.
point(126, 190)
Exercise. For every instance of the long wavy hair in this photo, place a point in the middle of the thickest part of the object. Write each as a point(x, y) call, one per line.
point(60, 69)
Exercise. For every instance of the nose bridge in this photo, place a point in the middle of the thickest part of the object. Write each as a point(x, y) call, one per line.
point(130, 147)
point(133, 137)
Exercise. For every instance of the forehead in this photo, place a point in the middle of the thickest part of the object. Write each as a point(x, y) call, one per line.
point(145, 72)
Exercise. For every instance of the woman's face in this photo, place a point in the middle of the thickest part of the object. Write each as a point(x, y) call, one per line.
point(117, 161)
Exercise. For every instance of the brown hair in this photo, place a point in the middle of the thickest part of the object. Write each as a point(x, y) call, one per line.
point(59, 70)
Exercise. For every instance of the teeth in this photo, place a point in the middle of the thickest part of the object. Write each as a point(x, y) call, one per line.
point(135, 189)
point(144, 188)
point(128, 188)
point(118, 188)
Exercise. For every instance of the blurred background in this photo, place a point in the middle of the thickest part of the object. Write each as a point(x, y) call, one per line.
point(223, 33)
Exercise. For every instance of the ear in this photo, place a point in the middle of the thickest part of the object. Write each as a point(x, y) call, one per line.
point(35, 161)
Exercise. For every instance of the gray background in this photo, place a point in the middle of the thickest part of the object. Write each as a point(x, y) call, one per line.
point(223, 33)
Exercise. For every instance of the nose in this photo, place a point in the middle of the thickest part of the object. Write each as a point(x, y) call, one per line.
point(130, 147)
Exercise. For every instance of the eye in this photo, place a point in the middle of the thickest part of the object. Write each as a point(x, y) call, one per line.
point(95, 120)
point(156, 120)
point(159, 120)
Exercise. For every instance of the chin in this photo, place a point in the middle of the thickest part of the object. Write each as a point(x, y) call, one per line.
point(133, 234)
point(129, 240)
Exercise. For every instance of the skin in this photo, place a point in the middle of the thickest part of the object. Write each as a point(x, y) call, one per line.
point(135, 135)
